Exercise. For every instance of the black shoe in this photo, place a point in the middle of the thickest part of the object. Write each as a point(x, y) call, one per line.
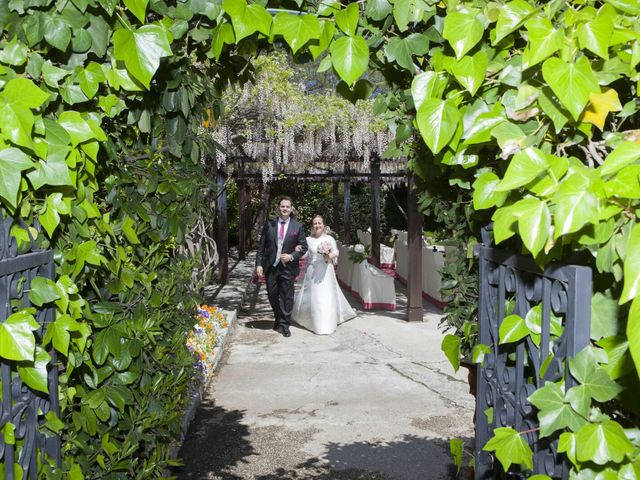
point(285, 332)
point(276, 327)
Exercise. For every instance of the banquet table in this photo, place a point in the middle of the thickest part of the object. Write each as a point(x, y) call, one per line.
point(371, 286)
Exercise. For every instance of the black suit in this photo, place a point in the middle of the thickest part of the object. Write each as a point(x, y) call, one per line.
point(280, 278)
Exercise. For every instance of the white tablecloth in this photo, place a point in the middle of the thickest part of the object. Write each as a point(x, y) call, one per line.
point(374, 288)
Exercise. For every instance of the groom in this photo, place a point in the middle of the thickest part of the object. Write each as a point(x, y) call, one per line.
point(277, 258)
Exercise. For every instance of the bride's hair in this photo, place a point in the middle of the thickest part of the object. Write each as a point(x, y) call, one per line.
point(317, 215)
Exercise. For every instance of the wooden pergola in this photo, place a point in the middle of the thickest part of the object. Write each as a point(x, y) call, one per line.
point(245, 170)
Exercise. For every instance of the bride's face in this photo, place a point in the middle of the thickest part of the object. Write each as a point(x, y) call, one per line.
point(318, 226)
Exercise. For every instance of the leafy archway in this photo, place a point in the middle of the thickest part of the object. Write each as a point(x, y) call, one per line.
point(531, 108)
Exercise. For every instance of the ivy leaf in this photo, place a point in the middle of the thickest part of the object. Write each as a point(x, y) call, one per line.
point(626, 183)
point(478, 352)
point(512, 329)
point(14, 52)
point(378, 9)
point(141, 50)
point(571, 82)
point(128, 228)
point(576, 205)
point(16, 337)
point(524, 167)
point(427, 85)
point(36, 375)
point(52, 172)
point(55, 206)
point(16, 120)
point(25, 93)
point(632, 266)
point(633, 331)
point(624, 154)
point(567, 444)
point(326, 36)
point(600, 104)
point(544, 41)
point(347, 19)
point(234, 7)
point(437, 121)
point(138, 8)
point(555, 413)
point(602, 442)
point(255, 18)
point(546, 185)
point(463, 30)
point(86, 252)
point(503, 222)
point(90, 79)
point(451, 348)
point(595, 35)
point(470, 71)
point(100, 32)
point(552, 108)
point(534, 220)
point(79, 129)
point(592, 377)
point(58, 332)
point(604, 316)
point(510, 448)
point(350, 57)
point(402, 10)
point(297, 30)
point(401, 50)
point(43, 290)
point(8, 433)
point(619, 362)
point(484, 191)
point(511, 16)
point(56, 31)
point(12, 162)
point(627, 6)
point(221, 35)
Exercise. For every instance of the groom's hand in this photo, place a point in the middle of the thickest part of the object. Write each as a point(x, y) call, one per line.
point(259, 271)
point(286, 258)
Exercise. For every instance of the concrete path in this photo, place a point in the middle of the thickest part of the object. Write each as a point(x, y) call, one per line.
point(375, 400)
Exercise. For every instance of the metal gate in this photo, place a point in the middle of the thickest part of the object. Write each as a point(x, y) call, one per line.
point(512, 372)
point(21, 406)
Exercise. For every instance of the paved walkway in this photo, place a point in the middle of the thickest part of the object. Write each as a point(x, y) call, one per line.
point(375, 400)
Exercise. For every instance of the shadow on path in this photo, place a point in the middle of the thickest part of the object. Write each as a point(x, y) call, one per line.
point(221, 456)
point(216, 442)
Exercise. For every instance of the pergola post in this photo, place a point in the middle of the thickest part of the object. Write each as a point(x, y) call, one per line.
point(222, 233)
point(346, 221)
point(414, 240)
point(375, 212)
point(335, 217)
point(242, 214)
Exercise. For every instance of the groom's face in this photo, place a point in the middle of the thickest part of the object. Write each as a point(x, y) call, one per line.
point(285, 208)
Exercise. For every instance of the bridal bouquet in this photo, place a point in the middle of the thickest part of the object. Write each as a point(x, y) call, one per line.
point(205, 336)
point(324, 248)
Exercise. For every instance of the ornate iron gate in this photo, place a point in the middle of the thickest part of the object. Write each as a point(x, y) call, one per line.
point(512, 372)
point(21, 406)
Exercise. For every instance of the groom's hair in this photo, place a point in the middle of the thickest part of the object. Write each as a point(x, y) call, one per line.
point(284, 197)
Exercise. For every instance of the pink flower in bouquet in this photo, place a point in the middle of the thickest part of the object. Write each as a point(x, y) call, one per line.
point(324, 248)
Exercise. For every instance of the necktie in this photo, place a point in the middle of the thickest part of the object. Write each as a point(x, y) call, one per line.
point(281, 234)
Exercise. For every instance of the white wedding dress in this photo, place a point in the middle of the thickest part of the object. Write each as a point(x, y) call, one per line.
point(320, 305)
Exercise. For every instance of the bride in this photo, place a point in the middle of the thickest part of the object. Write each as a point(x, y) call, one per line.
point(320, 305)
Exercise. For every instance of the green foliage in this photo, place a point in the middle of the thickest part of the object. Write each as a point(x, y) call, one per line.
point(528, 110)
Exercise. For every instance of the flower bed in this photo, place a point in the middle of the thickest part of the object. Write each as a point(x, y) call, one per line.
point(205, 339)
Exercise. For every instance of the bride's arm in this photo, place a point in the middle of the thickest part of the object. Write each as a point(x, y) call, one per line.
point(334, 250)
